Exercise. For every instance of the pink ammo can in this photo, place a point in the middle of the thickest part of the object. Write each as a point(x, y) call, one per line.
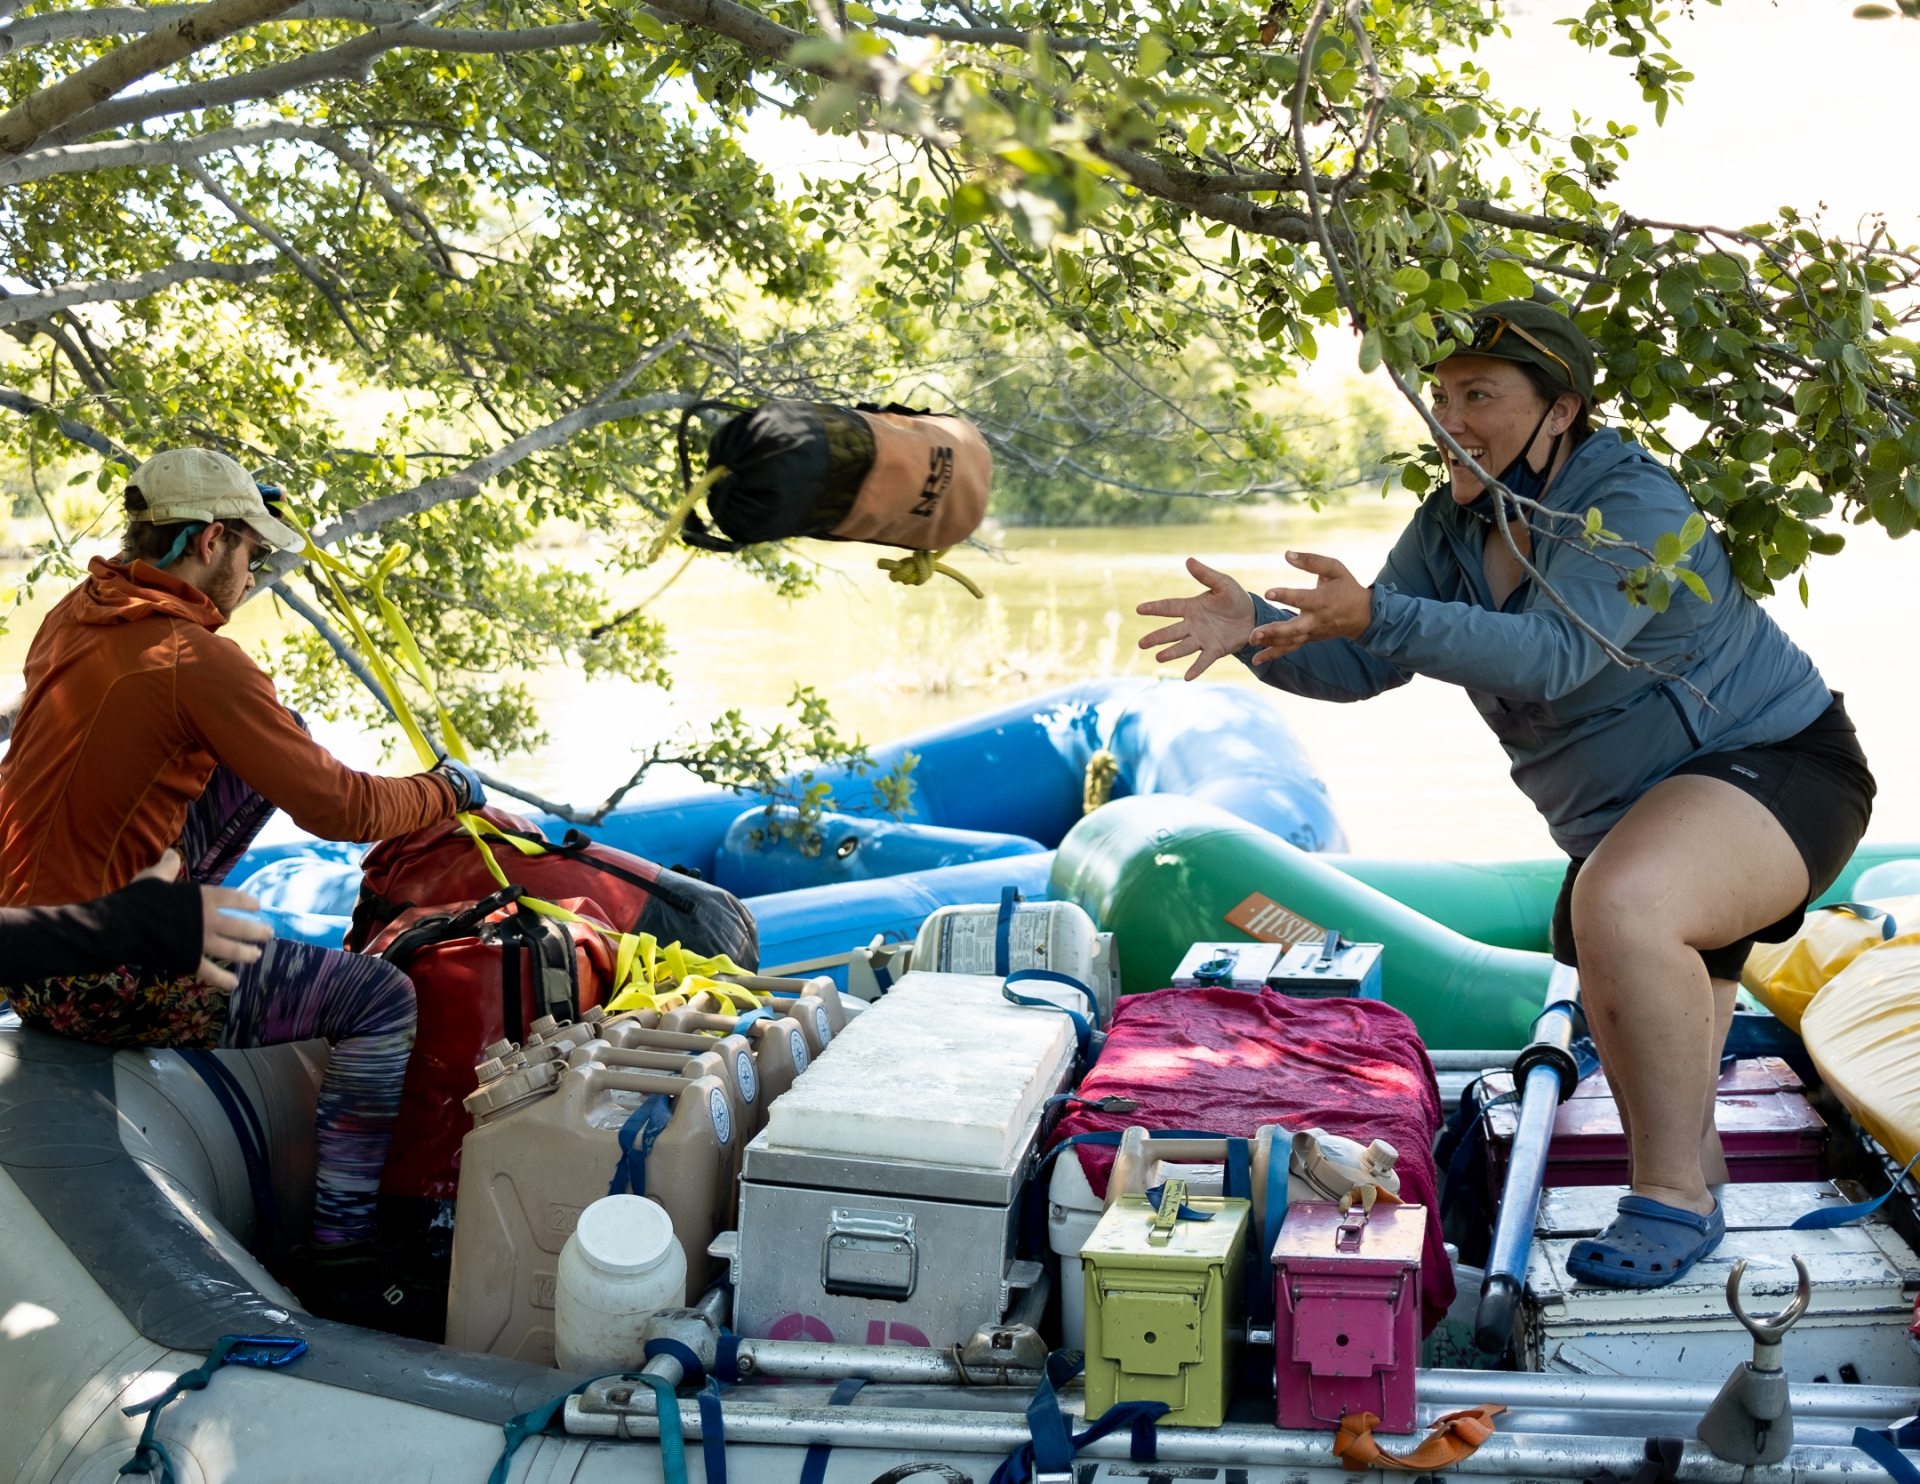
point(1346, 1329)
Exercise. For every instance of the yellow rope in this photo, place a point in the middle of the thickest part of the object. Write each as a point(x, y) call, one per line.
point(1102, 769)
point(640, 955)
point(918, 567)
point(677, 517)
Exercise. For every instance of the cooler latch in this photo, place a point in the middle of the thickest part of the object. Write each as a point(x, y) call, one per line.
point(869, 1254)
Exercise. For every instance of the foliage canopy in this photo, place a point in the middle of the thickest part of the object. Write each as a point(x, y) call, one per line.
point(526, 230)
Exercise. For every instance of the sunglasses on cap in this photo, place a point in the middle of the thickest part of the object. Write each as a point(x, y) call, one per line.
point(1488, 328)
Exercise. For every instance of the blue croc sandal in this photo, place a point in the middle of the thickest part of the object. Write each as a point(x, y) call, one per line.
point(1648, 1245)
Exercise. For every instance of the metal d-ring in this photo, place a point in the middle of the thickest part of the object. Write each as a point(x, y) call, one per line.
point(1770, 1329)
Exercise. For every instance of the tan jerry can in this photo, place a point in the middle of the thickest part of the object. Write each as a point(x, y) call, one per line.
point(779, 1049)
point(808, 1014)
point(727, 1057)
point(783, 992)
point(546, 1144)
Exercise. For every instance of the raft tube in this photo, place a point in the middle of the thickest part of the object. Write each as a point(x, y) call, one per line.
point(1019, 770)
point(1161, 873)
point(1022, 769)
point(1510, 903)
point(810, 931)
point(846, 848)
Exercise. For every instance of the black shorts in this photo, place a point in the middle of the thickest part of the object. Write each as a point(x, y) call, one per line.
point(1816, 783)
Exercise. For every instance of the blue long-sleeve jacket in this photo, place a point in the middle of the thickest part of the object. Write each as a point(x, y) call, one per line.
point(1586, 737)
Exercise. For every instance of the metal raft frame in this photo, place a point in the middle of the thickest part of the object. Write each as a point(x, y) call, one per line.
point(60, 1146)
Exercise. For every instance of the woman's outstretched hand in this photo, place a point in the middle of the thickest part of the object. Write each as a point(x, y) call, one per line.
point(231, 940)
point(1212, 624)
point(1337, 607)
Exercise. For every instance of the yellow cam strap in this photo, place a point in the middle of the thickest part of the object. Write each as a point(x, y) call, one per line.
point(636, 951)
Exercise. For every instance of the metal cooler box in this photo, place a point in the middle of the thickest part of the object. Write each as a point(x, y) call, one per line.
point(881, 1203)
point(872, 1252)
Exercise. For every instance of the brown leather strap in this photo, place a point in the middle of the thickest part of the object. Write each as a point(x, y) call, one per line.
point(1454, 1437)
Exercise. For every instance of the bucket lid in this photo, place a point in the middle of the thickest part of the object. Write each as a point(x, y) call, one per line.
point(624, 1234)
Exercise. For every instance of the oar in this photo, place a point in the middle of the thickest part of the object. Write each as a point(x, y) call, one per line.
point(1546, 1074)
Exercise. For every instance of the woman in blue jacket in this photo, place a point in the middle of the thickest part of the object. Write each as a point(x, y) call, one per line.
point(1704, 800)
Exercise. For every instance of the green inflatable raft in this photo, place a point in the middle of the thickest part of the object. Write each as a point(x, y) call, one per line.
point(1161, 872)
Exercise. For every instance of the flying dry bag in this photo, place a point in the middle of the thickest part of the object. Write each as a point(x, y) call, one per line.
point(890, 475)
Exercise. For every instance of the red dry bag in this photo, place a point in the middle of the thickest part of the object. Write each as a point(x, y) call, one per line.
point(482, 972)
point(441, 864)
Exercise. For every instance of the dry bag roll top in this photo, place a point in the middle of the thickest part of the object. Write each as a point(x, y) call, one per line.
point(888, 475)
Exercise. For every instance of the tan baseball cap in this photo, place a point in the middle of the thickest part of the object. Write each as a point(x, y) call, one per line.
point(199, 484)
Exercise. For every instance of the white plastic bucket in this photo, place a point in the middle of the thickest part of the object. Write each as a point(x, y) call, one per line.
point(621, 1265)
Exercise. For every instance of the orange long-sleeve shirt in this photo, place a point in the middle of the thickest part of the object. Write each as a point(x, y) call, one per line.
point(132, 700)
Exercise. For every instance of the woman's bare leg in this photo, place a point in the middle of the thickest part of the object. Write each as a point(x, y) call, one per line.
point(1695, 864)
point(1713, 1159)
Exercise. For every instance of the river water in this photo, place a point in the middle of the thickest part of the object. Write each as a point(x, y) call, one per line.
point(1413, 773)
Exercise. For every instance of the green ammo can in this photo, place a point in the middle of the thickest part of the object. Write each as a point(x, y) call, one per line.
point(1163, 1295)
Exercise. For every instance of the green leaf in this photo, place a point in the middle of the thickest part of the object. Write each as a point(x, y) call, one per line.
point(1369, 352)
point(1152, 55)
point(1322, 300)
point(1507, 280)
point(1696, 584)
point(1691, 532)
point(1412, 279)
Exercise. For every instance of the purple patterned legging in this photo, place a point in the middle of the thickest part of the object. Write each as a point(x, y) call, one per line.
point(294, 992)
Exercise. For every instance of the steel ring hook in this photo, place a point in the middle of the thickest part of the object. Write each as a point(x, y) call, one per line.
point(1770, 1329)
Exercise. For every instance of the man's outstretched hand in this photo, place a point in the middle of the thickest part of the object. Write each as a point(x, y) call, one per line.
point(1211, 624)
point(1336, 607)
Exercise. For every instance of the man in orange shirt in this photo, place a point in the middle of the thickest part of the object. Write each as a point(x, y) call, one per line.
point(141, 730)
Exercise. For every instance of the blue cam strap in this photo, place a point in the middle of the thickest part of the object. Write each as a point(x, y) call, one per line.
point(1053, 1446)
point(713, 1424)
point(1082, 1031)
point(150, 1456)
point(1888, 927)
point(1823, 1218)
point(713, 1432)
point(1883, 1452)
point(814, 1469)
point(643, 1124)
point(1003, 931)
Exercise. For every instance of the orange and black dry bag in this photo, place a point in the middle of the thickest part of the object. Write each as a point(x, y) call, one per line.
point(890, 475)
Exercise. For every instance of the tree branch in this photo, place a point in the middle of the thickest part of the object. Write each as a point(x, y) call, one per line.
point(79, 432)
point(475, 477)
point(98, 23)
point(991, 36)
point(30, 120)
point(286, 249)
point(347, 62)
point(122, 290)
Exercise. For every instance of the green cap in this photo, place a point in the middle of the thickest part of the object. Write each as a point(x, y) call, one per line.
point(1534, 335)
